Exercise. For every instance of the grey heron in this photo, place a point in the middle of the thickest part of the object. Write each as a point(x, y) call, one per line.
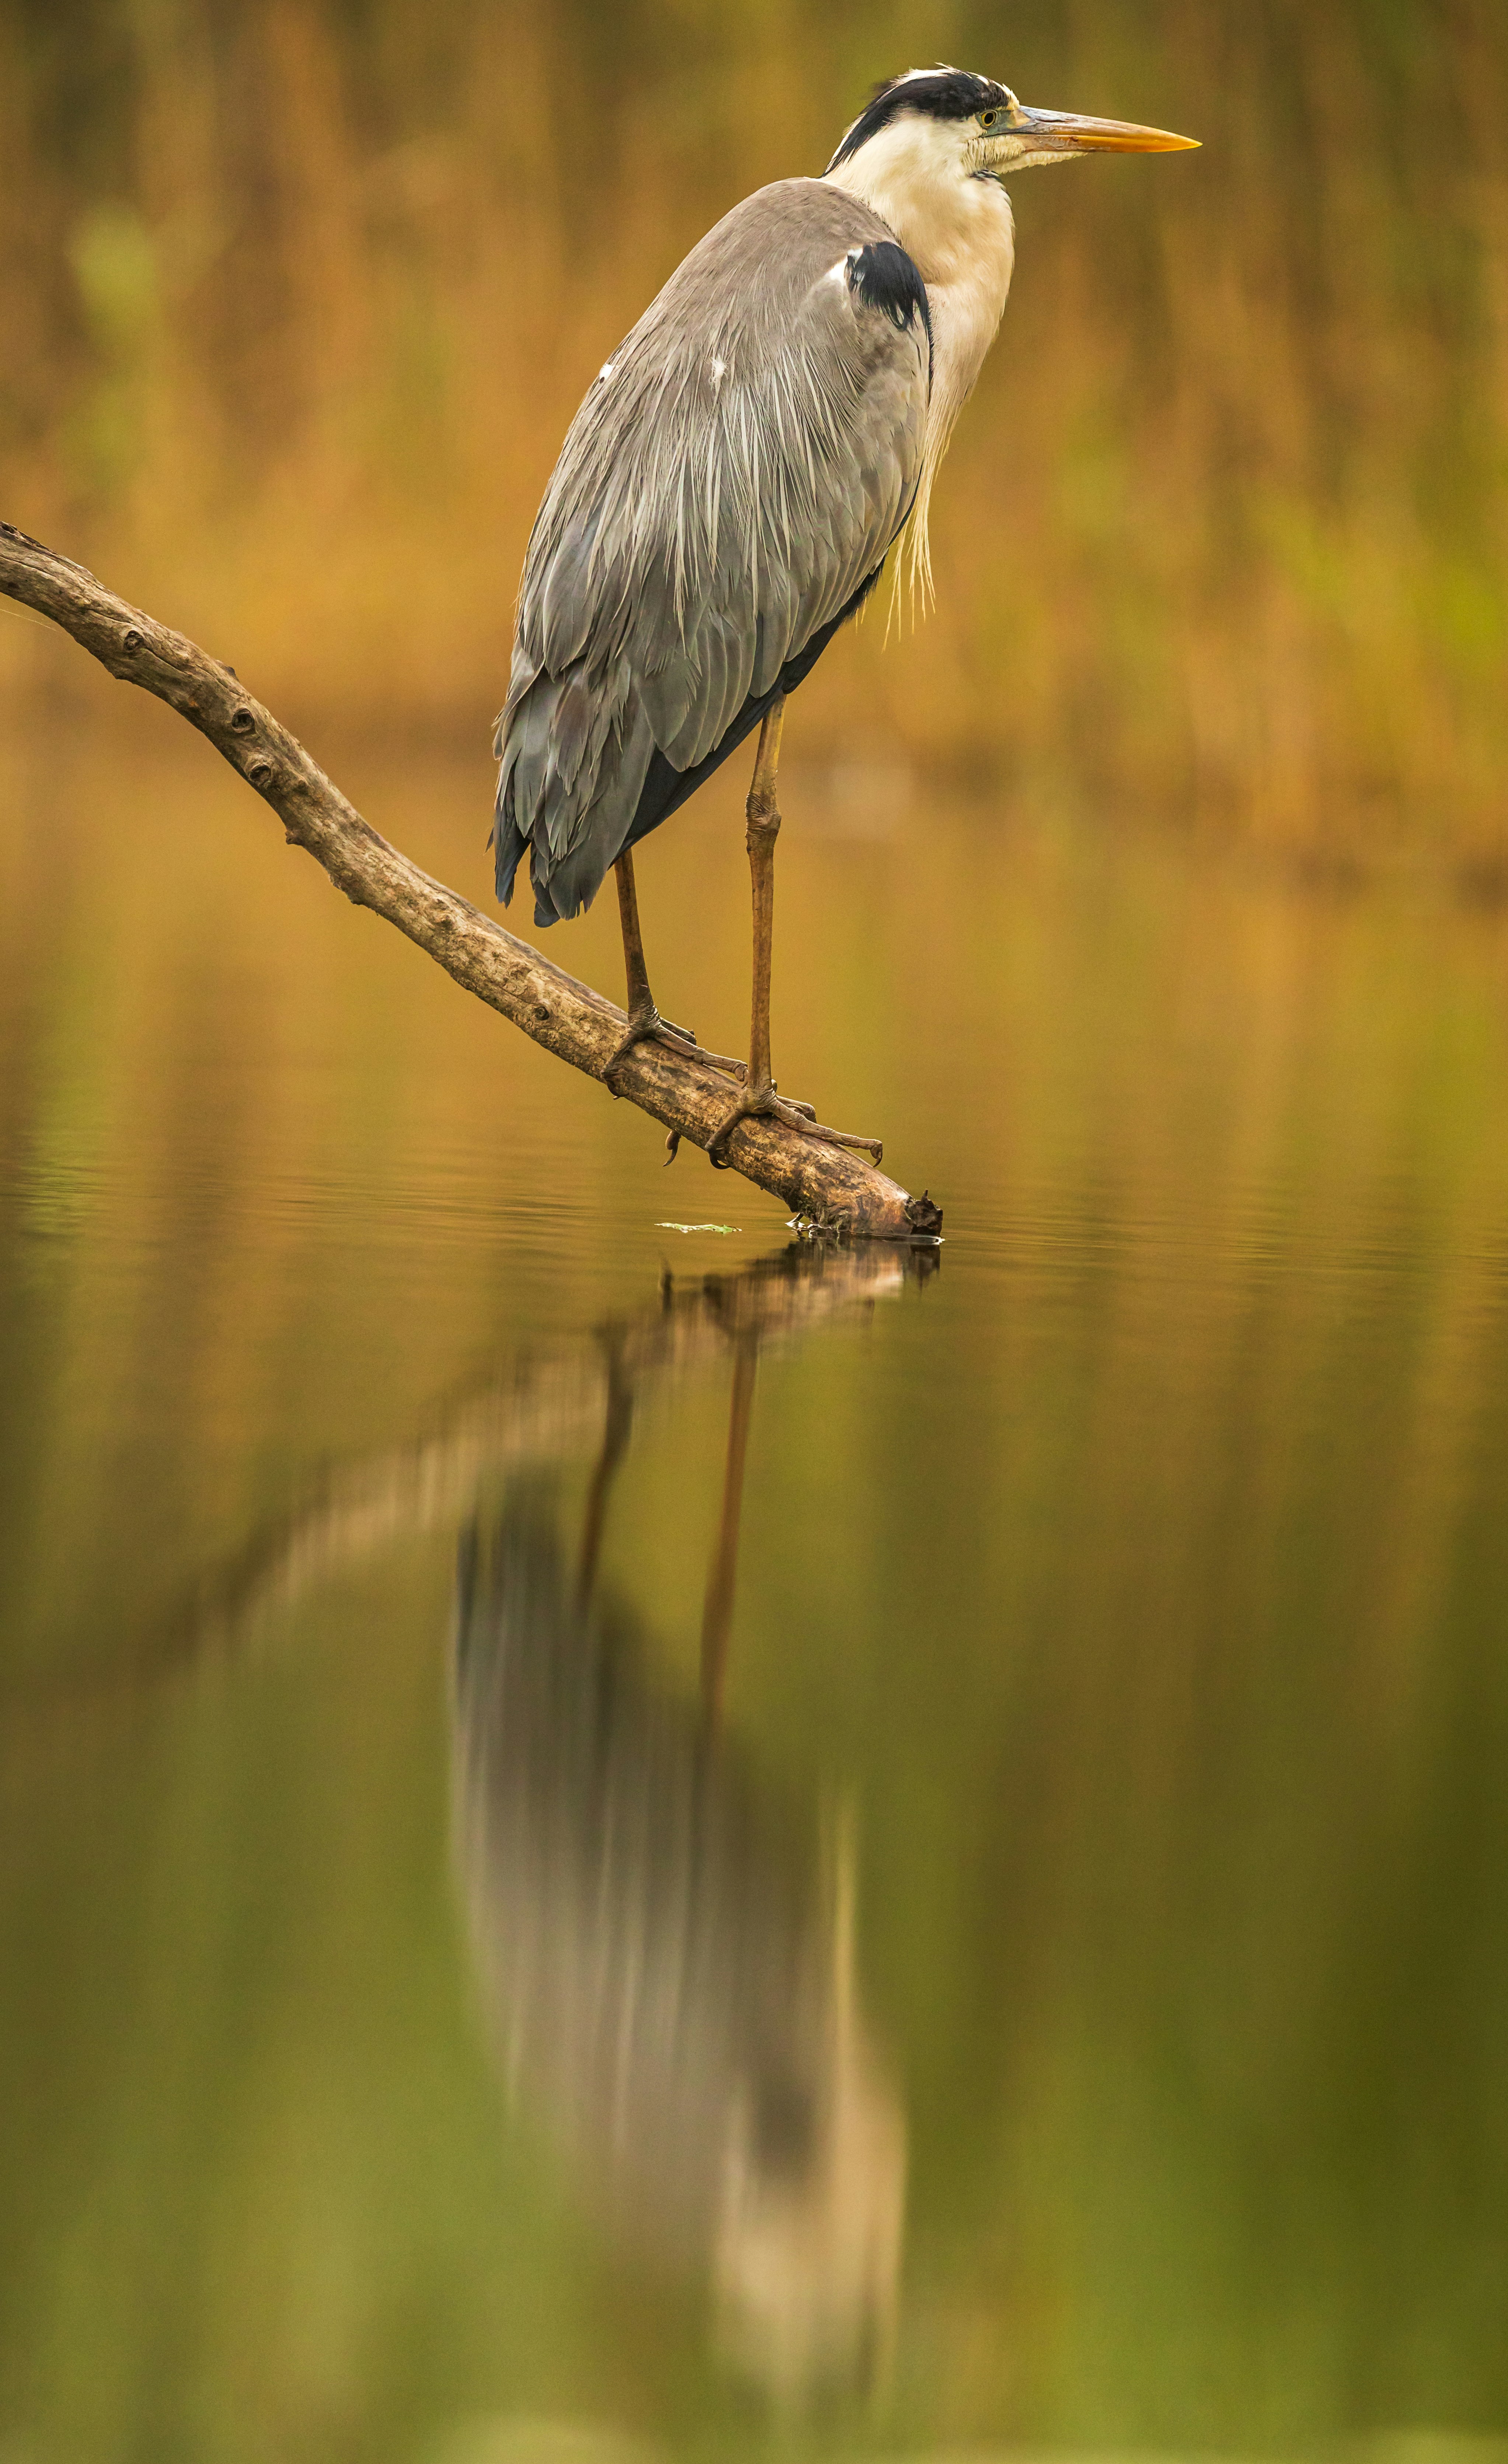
point(729, 488)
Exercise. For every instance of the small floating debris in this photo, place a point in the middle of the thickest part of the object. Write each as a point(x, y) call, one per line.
point(724, 1228)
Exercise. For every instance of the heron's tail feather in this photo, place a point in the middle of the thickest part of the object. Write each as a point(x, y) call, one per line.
point(507, 840)
point(572, 758)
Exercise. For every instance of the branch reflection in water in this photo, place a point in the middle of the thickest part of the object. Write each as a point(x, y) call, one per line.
point(665, 1947)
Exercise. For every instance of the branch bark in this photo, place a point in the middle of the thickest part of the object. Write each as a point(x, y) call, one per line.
point(831, 1186)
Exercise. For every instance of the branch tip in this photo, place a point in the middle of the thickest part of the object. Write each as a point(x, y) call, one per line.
point(831, 1184)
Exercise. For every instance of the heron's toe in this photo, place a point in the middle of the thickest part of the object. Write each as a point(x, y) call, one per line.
point(755, 1103)
point(648, 1027)
point(644, 1028)
point(764, 1104)
point(803, 1116)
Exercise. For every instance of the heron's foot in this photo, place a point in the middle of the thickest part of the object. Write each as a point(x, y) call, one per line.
point(646, 1026)
point(764, 1104)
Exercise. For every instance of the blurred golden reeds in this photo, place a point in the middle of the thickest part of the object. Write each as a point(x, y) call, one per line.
point(298, 299)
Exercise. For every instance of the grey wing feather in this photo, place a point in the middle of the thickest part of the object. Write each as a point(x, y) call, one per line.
point(733, 478)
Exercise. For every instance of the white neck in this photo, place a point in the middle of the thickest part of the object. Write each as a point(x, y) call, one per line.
point(959, 233)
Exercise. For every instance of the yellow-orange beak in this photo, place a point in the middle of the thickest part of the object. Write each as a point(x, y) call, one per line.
point(1068, 132)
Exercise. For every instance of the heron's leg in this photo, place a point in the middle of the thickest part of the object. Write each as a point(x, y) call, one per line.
point(764, 828)
point(644, 1019)
point(759, 1099)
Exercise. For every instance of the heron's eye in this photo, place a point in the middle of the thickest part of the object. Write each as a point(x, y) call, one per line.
point(988, 119)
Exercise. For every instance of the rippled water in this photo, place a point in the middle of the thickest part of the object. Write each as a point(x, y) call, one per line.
point(630, 1842)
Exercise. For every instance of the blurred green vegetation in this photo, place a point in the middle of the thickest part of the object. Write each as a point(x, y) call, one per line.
point(298, 295)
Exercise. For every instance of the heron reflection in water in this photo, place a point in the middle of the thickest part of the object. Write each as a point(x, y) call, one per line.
point(667, 1951)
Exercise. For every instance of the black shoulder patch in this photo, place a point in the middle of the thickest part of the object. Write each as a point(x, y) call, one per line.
point(938, 94)
point(883, 276)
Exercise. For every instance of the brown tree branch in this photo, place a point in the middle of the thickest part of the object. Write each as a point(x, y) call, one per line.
point(832, 1186)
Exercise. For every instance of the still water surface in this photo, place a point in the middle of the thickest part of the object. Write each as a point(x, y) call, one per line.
point(621, 1843)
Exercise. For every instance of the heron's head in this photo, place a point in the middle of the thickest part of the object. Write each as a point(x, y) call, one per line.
point(944, 125)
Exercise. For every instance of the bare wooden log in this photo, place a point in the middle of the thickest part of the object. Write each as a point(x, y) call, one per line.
point(831, 1186)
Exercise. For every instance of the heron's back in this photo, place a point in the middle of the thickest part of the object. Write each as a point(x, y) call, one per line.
point(725, 496)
